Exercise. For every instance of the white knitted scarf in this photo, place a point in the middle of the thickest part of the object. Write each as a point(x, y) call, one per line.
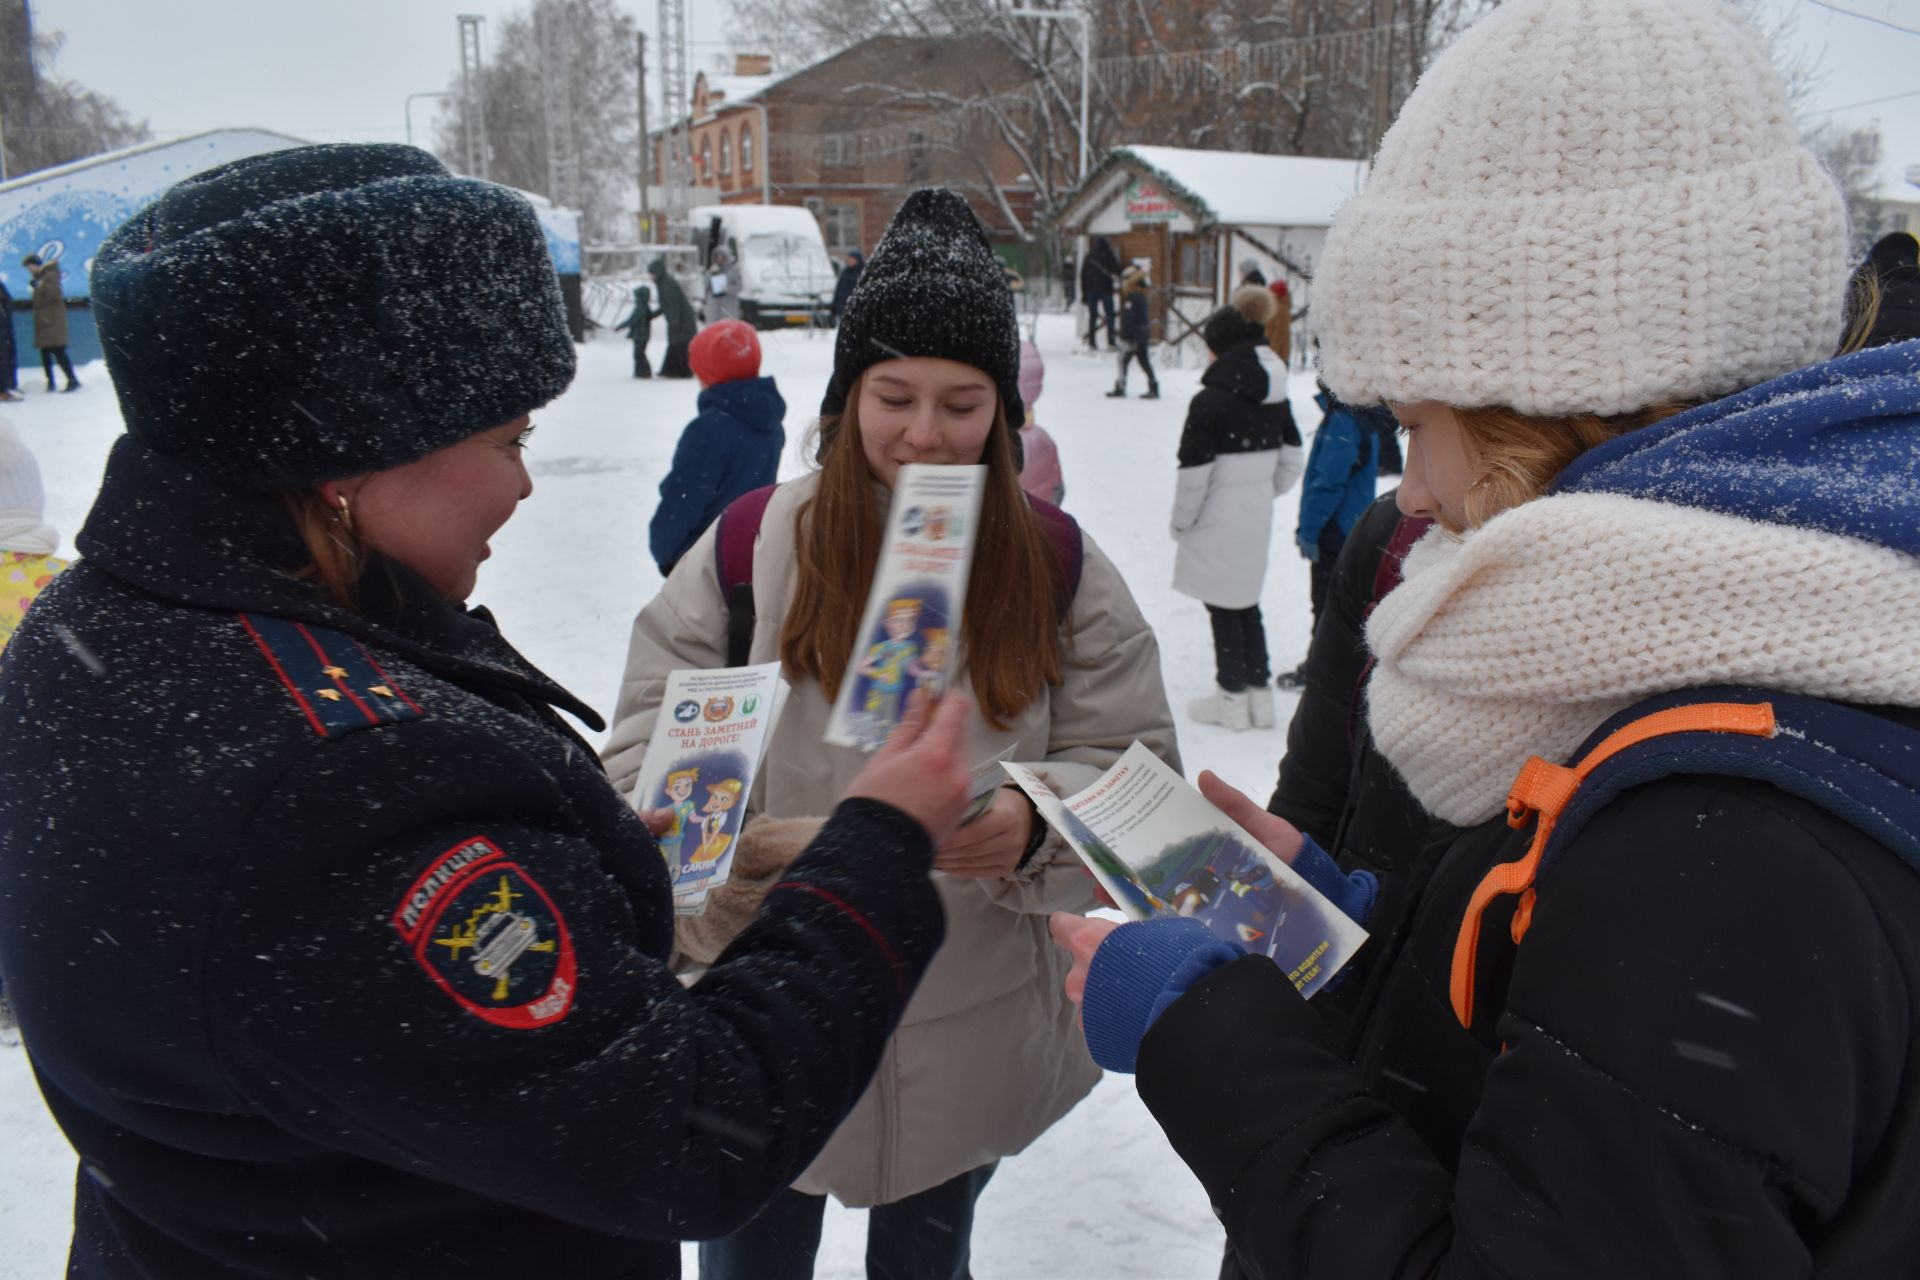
point(1522, 637)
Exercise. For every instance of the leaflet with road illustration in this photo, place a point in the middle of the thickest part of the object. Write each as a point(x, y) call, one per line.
point(707, 743)
point(1160, 848)
point(911, 626)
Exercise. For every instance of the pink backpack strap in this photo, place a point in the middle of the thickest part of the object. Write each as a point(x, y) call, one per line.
point(733, 542)
point(1063, 532)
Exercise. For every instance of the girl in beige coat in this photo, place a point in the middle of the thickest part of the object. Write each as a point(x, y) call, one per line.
point(988, 1055)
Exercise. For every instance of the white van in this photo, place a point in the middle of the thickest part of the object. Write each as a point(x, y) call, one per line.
point(785, 274)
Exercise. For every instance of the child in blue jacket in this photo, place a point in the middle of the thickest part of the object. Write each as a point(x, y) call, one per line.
point(731, 447)
point(1343, 469)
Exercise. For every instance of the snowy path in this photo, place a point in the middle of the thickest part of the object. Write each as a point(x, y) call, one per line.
point(1101, 1195)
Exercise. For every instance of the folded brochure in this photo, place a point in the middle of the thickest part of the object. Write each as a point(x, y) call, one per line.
point(911, 626)
point(1160, 848)
point(707, 744)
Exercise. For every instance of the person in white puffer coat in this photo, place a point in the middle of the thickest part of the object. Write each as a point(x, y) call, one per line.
point(1239, 451)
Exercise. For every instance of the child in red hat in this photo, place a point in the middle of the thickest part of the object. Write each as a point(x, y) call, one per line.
point(731, 447)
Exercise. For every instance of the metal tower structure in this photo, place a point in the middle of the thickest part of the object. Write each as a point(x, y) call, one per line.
point(555, 35)
point(473, 103)
point(676, 107)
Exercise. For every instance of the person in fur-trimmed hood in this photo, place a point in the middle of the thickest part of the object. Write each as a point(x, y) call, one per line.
point(1238, 452)
point(1686, 1047)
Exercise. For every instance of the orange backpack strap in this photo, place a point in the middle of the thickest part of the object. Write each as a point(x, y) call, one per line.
point(1543, 792)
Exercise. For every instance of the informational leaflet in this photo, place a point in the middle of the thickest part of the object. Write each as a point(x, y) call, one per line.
point(707, 744)
point(1160, 848)
point(911, 626)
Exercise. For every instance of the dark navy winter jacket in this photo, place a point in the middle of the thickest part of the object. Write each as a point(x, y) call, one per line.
point(1343, 467)
point(1135, 325)
point(336, 955)
point(731, 447)
point(1700, 1062)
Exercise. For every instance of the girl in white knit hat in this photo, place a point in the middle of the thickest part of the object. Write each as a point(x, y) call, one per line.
point(1651, 1009)
point(27, 542)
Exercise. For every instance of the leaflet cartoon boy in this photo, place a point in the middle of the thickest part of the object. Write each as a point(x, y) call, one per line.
point(886, 664)
point(680, 800)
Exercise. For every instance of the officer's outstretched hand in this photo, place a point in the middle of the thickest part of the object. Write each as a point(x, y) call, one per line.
point(922, 771)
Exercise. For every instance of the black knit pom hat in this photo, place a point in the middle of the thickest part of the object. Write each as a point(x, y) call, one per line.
point(322, 311)
point(933, 287)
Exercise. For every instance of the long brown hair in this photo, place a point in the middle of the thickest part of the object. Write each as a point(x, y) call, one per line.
point(1016, 594)
point(1518, 455)
point(338, 556)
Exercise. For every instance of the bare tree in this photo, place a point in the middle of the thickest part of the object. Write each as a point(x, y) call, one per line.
point(601, 72)
point(49, 121)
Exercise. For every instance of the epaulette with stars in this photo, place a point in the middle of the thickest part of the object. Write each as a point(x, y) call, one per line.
point(333, 679)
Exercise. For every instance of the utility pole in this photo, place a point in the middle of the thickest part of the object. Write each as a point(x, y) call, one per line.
point(473, 104)
point(646, 158)
point(675, 106)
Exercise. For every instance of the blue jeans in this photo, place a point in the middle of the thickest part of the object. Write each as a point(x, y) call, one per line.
point(928, 1236)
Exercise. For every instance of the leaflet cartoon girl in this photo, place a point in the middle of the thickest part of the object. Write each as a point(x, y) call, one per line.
point(929, 670)
point(721, 797)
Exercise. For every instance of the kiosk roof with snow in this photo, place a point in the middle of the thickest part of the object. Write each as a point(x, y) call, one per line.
point(1194, 219)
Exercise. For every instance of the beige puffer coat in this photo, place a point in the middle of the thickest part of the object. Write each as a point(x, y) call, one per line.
point(49, 308)
point(989, 1053)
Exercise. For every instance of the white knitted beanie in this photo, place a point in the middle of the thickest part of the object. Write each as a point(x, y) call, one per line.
point(1586, 206)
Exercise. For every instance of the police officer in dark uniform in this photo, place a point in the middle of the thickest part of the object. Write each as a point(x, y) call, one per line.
point(334, 951)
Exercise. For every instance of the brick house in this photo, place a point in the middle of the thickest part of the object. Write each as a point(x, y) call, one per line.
point(853, 134)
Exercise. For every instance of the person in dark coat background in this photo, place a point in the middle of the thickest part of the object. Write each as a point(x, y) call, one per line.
point(1136, 334)
point(1892, 302)
point(369, 976)
point(638, 326)
point(1677, 1040)
point(50, 318)
point(1099, 277)
point(731, 447)
point(10, 371)
point(848, 281)
point(678, 313)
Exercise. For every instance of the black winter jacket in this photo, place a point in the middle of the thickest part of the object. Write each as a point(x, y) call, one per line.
point(336, 954)
point(674, 307)
point(1747, 1063)
point(1232, 412)
point(1136, 325)
point(1100, 273)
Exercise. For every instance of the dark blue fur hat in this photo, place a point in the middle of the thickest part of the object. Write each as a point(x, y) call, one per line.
point(323, 311)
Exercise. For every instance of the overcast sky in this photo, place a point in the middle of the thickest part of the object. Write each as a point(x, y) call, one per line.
point(342, 69)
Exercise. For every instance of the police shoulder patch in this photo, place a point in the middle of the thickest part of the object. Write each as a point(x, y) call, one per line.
point(332, 677)
point(490, 937)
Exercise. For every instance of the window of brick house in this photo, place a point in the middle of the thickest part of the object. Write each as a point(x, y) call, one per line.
point(840, 150)
point(726, 153)
point(841, 223)
point(746, 149)
point(706, 157)
point(919, 157)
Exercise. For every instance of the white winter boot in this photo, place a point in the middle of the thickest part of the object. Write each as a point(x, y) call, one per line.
point(1228, 710)
point(1260, 705)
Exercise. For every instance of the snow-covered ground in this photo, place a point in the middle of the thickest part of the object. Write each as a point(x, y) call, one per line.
point(1101, 1195)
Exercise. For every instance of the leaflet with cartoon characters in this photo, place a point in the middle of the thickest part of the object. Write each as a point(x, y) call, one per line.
point(707, 743)
point(911, 625)
point(1159, 847)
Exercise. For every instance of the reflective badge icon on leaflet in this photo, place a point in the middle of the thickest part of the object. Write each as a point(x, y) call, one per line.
point(490, 937)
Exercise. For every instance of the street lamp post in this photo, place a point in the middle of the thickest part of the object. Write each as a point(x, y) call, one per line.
point(409, 110)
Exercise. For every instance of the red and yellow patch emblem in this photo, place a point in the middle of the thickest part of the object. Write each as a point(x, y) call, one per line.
point(490, 937)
